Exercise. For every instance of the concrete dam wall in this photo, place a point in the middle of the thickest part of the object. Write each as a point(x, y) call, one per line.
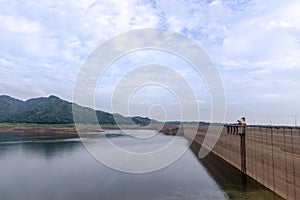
point(268, 154)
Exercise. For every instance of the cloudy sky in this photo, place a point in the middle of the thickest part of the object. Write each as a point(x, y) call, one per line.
point(255, 46)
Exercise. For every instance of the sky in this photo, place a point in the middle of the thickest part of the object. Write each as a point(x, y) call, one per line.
point(255, 46)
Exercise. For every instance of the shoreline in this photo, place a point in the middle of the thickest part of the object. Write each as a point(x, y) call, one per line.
point(60, 129)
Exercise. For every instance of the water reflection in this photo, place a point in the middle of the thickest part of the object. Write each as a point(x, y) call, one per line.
point(48, 145)
point(38, 146)
point(235, 184)
point(61, 168)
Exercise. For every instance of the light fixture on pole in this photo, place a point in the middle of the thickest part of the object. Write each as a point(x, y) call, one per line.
point(295, 117)
point(270, 120)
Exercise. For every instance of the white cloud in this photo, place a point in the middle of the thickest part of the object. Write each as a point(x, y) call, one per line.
point(18, 24)
point(255, 44)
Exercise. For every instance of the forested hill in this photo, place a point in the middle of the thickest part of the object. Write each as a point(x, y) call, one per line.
point(53, 110)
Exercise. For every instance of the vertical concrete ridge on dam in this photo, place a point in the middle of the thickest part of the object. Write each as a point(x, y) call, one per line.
point(269, 154)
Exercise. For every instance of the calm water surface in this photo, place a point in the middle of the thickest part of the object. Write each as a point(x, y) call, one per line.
point(51, 168)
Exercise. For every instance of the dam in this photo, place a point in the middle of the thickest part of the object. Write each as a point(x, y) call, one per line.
point(268, 154)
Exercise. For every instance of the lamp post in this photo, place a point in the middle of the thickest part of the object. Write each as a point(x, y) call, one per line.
point(270, 120)
point(295, 117)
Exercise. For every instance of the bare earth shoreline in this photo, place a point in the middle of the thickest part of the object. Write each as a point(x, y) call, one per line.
point(70, 129)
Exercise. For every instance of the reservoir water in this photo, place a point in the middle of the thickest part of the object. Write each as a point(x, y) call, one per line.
point(56, 168)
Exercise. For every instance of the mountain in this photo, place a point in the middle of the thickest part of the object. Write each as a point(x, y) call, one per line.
point(10, 106)
point(53, 110)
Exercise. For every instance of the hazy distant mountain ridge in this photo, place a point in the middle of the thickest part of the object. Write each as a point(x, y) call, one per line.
point(53, 110)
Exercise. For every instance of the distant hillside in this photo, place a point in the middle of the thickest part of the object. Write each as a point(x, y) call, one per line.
point(53, 110)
